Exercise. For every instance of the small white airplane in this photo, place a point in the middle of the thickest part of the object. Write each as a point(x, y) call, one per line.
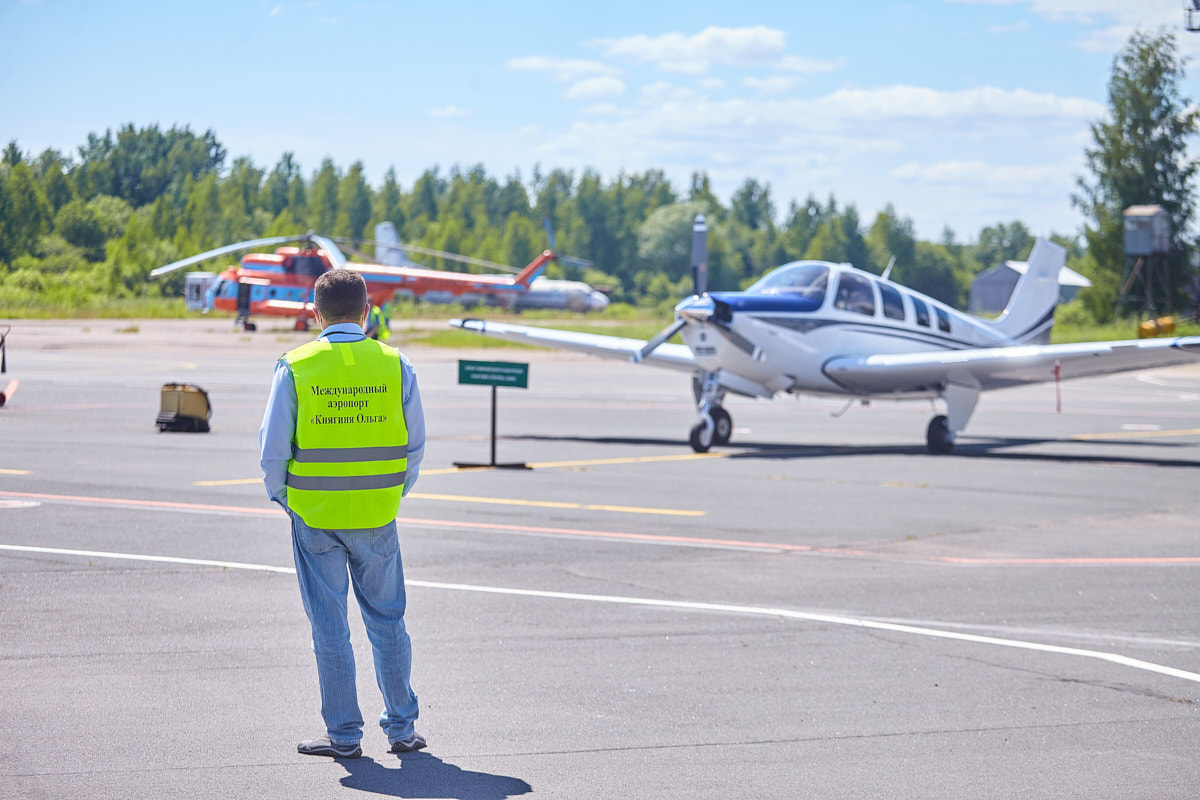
point(812, 327)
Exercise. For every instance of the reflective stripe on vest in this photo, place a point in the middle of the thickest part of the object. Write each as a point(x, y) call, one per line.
point(317, 483)
point(350, 450)
point(327, 455)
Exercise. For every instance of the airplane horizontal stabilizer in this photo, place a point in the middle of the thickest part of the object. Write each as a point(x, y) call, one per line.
point(672, 356)
point(999, 367)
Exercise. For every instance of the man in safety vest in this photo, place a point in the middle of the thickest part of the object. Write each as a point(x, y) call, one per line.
point(342, 441)
point(377, 325)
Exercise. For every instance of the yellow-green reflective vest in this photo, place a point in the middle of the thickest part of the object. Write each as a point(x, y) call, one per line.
point(350, 449)
point(379, 322)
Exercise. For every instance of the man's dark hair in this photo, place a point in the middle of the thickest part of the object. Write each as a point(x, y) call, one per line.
point(341, 295)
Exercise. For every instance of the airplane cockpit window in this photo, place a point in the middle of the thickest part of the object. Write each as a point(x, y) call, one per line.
point(893, 304)
point(921, 310)
point(943, 320)
point(854, 293)
point(308, 266)
point(809, 280)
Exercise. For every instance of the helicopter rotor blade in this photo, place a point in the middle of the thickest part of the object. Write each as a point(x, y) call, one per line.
point(337, 259)
point(220, 251)
point(426, 251)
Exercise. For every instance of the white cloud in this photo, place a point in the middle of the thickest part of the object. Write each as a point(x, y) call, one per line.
point(275, 12)
point(808, 66)
point(676, 52)
point(563, 69)
point(711, 83)
point(595, 88)
point(445, 112)
point(1112, 20)
point(601, 109)
point(773, 84)
point(983, 175)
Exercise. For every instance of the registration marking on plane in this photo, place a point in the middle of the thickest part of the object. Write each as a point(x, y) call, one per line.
point(1136, 434)
point(506, 501)
point(868, 623)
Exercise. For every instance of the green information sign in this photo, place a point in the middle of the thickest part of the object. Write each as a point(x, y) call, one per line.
point(494, 373)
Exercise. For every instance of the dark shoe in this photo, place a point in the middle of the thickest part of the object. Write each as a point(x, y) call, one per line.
point(414, 742)
point(324, 747)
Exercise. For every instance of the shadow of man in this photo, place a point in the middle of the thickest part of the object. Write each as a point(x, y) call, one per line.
point(424, 775)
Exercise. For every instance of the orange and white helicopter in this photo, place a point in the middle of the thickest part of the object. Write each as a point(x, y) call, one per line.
point(281, 283)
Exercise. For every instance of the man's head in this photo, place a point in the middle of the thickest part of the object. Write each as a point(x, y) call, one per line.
point(341, 296)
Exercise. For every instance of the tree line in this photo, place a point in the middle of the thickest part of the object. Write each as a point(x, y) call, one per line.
point(78, 230)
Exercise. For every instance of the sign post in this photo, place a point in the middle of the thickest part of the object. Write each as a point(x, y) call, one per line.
point(494, 374)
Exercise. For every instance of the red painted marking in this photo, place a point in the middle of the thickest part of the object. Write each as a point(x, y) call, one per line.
point(642, 537)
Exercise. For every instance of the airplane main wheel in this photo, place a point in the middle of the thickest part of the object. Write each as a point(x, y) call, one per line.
point(700, 439)
point(938, 436)
point(301, 325)
point(722, 426)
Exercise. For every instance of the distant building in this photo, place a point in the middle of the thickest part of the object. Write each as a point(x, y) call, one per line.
point(991, 288)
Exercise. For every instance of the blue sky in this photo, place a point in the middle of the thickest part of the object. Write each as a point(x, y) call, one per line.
point(963, 113)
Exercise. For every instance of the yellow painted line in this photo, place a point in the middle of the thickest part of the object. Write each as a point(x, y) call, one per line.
point(14, 472)
point(636, 460)
point(506, 501)
point(1137, 434)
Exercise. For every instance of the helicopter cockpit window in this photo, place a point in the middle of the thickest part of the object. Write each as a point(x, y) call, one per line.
point(809, 280)
point(308, 266)
point(854, 293)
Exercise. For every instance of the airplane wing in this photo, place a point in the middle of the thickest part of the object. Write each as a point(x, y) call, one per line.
point(998, 367)
point(672, 356)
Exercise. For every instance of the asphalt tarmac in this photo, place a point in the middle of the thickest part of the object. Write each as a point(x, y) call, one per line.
point(820, 609)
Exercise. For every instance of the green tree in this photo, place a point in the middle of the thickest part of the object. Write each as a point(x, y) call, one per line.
point(1139, 157)
point(323, 200)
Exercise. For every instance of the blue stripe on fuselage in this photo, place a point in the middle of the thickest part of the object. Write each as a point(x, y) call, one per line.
point(784, 301)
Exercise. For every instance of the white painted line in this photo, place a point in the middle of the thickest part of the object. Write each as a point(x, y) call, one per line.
point(198, 562)
point(784, 613)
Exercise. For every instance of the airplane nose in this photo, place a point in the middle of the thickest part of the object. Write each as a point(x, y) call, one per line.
point(696, 309)
point(597, 301)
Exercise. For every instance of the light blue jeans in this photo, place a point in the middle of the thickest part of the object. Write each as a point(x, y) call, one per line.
point(327, 562)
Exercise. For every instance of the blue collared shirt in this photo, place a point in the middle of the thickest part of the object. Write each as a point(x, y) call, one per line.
point(279, 421)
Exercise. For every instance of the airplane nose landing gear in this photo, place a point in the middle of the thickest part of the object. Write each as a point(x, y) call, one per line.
point(716, 426)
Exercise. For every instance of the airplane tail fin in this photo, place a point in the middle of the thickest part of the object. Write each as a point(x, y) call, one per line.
point(535, 268)
point(388, 249)
point(1030, 311)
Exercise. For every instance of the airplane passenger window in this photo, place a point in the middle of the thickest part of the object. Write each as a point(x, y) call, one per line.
point(921, 310)
point(943, 320)
point(893, 305)
point(855, 294)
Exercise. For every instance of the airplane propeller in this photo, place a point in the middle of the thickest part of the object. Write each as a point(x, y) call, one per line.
point(699, 287)
point(336, 258)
